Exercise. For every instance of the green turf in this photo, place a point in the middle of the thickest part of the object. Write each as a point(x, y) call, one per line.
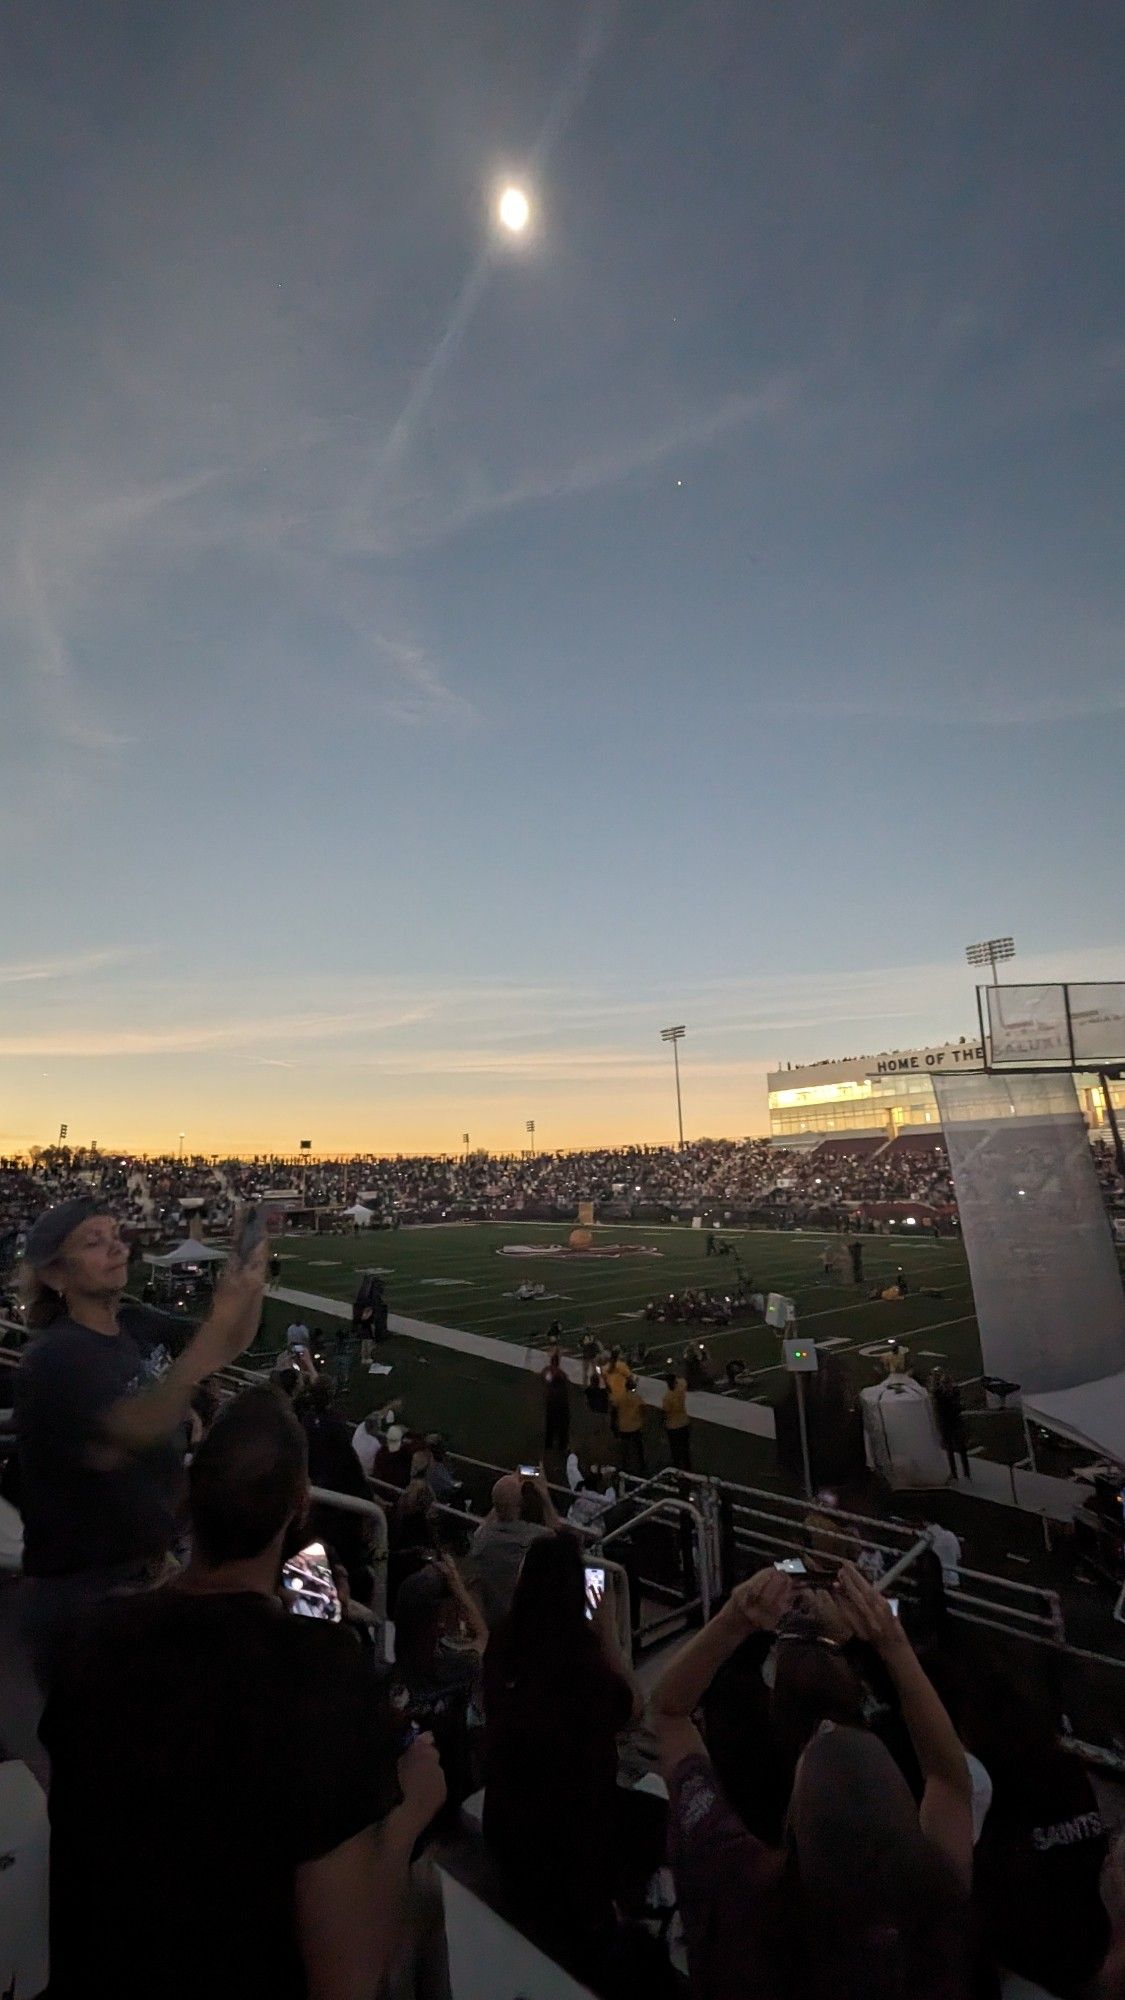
point(496, 1413)
point(609, 1297)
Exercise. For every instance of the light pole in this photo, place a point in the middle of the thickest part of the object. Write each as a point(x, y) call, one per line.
point(465, 1143)
point(676, 1036)
point(992, 953)
point(181, 1145)
point(531, 1134)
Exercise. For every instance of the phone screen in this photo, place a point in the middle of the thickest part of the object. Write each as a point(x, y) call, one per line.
point(528, 1471)
point(791, 1566)
point(595, 1587)
point(893, 1602)
point(307, 1586)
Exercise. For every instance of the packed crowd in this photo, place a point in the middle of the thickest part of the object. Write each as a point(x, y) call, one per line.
point(847, 1809)
point(162, 1195)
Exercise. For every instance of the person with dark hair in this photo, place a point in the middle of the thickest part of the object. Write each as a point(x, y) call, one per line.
point(413, 1537)
point(440, 1637)
point(205, 1744)
point(102, 1418)
point(556, 1694)
point(333, 1464)
point(869, 1900)
point(1043, 1844)
point(946, 1398)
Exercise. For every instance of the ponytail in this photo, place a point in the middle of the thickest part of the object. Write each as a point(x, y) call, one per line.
point(42, 1305)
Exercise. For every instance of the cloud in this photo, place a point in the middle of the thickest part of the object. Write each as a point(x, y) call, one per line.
point(49, 662)
point(452, 499)
point(77, 965)
point(203, 1038)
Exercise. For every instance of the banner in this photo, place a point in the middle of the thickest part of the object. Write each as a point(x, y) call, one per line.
point(1097, 1022)
point(1078, 1026)
point(1028, 1024)
point(1048, 1294)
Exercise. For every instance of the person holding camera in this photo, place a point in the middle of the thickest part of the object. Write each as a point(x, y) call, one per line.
point(870, 1895)
point(211, 1751)
point(101, 1413)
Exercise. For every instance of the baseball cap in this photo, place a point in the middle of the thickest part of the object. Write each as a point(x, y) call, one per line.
point(51, 1229)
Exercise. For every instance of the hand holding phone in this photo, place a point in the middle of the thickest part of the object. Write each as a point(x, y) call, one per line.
point(595, 1588)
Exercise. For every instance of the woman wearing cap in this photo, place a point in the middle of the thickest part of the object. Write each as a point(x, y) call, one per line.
point(100, 1413)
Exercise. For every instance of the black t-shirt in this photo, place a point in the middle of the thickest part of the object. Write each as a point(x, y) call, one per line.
point(201, 1749)
point(1036, 1872)
point(77, 1514)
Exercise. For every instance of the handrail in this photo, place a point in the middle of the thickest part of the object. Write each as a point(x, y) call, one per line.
point(682, 1507)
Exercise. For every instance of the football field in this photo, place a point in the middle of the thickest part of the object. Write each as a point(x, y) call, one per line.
point(457, 1275)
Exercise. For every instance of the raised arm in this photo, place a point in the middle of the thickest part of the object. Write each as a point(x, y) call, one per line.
point(138, 1422)
point(466, 1604)
point(946, 1812)
point(757, 1605)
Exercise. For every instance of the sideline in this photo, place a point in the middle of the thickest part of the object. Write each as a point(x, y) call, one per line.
point(703, 1406)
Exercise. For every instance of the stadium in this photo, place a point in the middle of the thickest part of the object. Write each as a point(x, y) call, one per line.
point(559, 562)
point(717, 1361)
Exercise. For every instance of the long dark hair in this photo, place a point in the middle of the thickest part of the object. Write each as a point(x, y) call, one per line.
point(547, 1637)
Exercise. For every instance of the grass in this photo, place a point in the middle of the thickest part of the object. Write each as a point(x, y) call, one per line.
point(495, 1413)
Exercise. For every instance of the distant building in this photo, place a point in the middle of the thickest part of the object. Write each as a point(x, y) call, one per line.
point(879, 1097)
point(860, 1097)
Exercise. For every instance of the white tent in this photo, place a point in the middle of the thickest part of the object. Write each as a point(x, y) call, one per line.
point(189, 1252)
point(900, 1433)
point(1092, 1414)
point(359, 1213)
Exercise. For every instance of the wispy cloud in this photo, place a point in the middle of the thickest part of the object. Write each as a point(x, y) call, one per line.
point(77, 965)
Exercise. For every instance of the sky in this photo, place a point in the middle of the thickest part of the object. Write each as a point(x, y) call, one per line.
point(432, 662)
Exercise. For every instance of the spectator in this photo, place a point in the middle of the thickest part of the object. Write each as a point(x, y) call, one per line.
point(1043, 1845)
point(394, 1457)
point(204, 1743)
point(413, 1538)
point(630, 1427)
point(950, 1420)
point(501, 1543)
point(366, 1440)
point(446, 1488)
point(102, 1419)
point(874, 1902)
point(440, 1637)
point(556, 1694)
point(334, 1465)
point(677, 1424)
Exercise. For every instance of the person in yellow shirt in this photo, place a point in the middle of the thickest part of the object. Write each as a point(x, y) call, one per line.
point(630, 1427)
point(676, 1421)
point(615, 1375)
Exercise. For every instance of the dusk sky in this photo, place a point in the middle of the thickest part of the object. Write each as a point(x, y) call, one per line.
point(435, 661)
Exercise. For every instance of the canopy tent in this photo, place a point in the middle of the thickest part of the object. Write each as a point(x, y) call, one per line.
point(190, 1251)
point(1092, 1414)
point(358, 1212)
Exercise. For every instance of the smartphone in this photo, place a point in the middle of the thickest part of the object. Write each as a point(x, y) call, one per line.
point(595, 1587)
point(893, 1602)
point(528, 1471)
point(249, 1231)
point(307, 1585)
point(791, 1566)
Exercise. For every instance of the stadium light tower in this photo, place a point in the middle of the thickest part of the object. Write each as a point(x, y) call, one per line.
point(676, 1036)
point(991, 953)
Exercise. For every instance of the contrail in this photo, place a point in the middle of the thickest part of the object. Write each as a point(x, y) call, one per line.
point(595, 35)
